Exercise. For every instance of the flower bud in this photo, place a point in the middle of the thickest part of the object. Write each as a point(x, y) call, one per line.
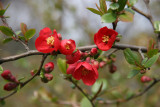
point(8, 76)
point(102, 64)
point(96, 64)
point(93, 51)
point(143, 71)
point(32, 72)
point(49, 67)
point(49, 77)
point(59, 36)
point(10, 86)
point(74, 57)
point(88, 59)
point(145, 79)
point(112, 68)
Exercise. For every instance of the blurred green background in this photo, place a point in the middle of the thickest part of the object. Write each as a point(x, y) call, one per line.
point(73, 20)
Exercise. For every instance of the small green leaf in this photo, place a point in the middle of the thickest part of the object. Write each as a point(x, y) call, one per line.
point(2, 12)
point(109, 17)
point(1, 69)
point(103, 6)
point(2, 102)
point(114, 6)
point(157, 26)
point(122, 4)
point(95, 11)
point(126, 16)
point(131, 57)
point(23, 27)
point(7, 40)
point(22, 38)
point(151, 61)
point(133, 73)
point(5, 30)
point(144, 61)
point(18, 88)
point(130, 10)
point(62, 65)
point(132, 2)
point(98, 83)
point(30, 33)
point(18, 32)
point(85, 103)
point(152, 52)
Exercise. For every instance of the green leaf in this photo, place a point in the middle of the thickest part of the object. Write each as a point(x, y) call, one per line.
point(22, 38)
point(62, 65)
point(122, 4)
point(30, 33)
point(114, 6)
point(130, 10)
point(7, 40)
point(5, 30)
point(144, 61)
point(126, 16)
point(152, 52)
point(103, 6)
point(18, 88)
point(2, 12)
point(95, 11)
point(85, 103)
point(109, 17)
point(131, 57)
point(2, 102)
point(98, 83)
point(23, 27)
point(151, 61)
point(132, 2)
point(133, 73)
point(1, 69)
point(157, 26)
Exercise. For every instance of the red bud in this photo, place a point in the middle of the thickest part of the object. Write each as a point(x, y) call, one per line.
point(10, 86)
point(8, 76)
point(94, 51)
point(145, 79)
point(49, 77)
point(101, 64)
point(49, 67)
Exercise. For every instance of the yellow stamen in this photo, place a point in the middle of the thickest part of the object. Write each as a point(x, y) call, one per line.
point(105, 38)
point(50, 40)
point(84, 71)
point(67, 46)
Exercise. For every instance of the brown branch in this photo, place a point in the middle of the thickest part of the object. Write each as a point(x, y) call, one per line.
point(83, 48)
point(27, 81)
point(81, 90)
point(132, 97)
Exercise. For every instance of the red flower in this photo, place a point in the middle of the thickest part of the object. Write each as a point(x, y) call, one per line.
point(105, 38)
point(67, 46)
point(85, 71)
point(74, 57)
point(47, 42)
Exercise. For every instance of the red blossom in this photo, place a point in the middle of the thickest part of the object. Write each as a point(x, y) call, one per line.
point(85, 71)
point(105, 38)
point(49, 67)
point(67, 46)
point(47, 42)
point(74, 57)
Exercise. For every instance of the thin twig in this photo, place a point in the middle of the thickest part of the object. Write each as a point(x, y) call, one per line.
point(27, 81)
point(140, 52)
point(81, 90)
point(132, 97)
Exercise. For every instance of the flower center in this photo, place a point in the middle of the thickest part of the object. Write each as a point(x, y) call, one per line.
point(105, 38)
point(67, 46)
point(50, 40)
point(84, 71)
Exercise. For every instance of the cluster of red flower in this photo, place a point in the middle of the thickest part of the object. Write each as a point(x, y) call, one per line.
point(49, 42)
